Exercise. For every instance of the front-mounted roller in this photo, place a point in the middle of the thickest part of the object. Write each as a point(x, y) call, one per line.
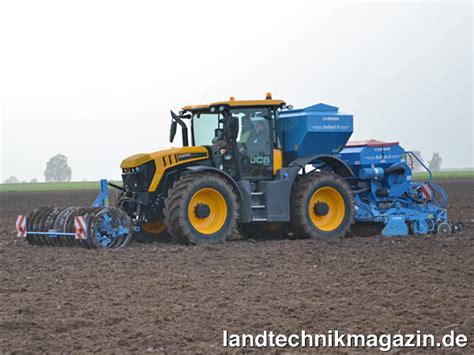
point(89, 227)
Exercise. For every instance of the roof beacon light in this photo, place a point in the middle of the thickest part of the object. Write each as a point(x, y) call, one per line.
point(232, 98)
point(268, 96)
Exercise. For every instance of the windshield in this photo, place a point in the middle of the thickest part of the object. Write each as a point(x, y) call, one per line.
point(204, 126)
point(251, 122)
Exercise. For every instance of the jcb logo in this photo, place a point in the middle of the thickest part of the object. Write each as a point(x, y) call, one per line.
point(259, 160)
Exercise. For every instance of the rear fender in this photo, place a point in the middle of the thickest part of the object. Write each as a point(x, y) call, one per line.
point(337, 165)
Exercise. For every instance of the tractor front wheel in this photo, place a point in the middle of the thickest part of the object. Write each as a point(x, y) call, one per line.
point(201, 209)
point(321, 206)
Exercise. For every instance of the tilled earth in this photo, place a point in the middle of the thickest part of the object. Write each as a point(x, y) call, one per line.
point(165, 297)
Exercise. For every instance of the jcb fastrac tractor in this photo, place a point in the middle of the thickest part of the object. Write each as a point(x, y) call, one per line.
point(255, 167)
point(233, 170)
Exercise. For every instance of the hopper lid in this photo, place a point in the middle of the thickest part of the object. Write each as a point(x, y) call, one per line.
point(370, 143)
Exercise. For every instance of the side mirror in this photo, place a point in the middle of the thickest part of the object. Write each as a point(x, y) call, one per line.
point(175, 120)
point(173, 126)
point(233, 127)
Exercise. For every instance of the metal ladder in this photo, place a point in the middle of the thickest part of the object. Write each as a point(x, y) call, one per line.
point(257, 204)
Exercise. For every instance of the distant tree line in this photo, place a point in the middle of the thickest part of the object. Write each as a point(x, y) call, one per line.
point(14, 180)
point(57, 170)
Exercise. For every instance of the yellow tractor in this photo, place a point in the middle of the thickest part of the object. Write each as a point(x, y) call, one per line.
point(243, 167)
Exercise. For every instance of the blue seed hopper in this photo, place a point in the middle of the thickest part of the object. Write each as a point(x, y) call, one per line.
point(318, 129)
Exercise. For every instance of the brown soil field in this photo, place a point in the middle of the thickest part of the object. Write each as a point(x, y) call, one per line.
point(171, 298)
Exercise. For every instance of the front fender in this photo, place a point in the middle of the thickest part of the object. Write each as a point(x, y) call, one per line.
point(228, 178)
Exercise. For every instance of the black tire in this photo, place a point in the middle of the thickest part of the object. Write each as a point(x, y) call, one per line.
point(176, 209)
point(306, 185)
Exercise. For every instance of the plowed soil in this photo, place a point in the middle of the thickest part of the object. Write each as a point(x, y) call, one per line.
point(165, 297)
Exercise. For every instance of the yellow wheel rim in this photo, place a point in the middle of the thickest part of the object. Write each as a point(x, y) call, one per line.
point(216, 208)
point(155, 227)
point(335, 209)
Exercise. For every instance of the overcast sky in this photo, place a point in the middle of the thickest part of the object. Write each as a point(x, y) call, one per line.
point(95, 80)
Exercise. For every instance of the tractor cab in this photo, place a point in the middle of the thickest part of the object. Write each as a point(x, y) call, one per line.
point(240, 135)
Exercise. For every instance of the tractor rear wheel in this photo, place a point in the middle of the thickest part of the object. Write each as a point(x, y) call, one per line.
point(201, 209)
point(321, 206)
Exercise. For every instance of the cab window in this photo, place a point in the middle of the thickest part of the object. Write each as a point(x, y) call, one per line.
point(204, 127)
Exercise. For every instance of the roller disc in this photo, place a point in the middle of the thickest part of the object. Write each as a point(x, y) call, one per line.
point(31, 239)
point(444, 228)
point(39, 226)
point(50, 220)
point(459, 227)
point(60, 226)
point(109, 229)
